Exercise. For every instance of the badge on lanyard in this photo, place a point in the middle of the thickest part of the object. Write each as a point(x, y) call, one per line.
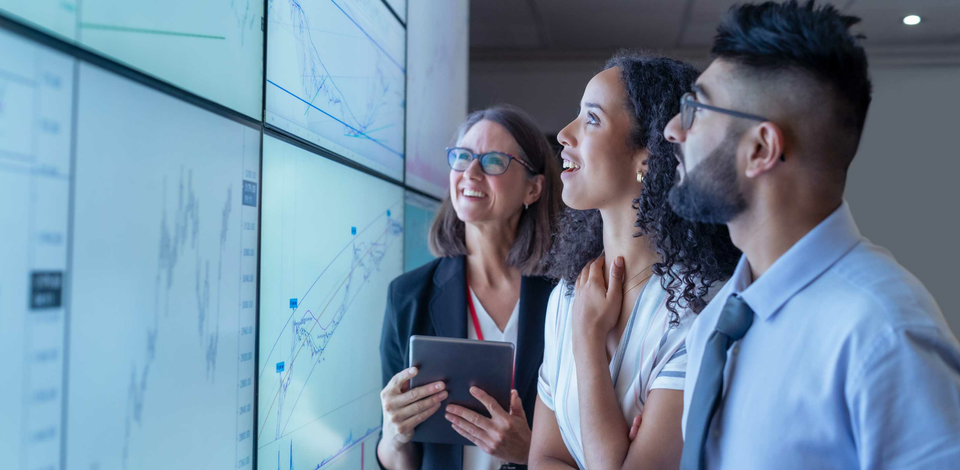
point(510, 466)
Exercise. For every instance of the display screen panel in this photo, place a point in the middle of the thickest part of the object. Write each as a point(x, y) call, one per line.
point(437, 63)
point(164, 278)
point(213, 48)
point(332, 240)
point(36, 98)
point(418, 215)
point(336, 77)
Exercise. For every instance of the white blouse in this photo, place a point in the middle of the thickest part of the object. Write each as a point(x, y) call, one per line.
point(651, 355)
point(473, 457)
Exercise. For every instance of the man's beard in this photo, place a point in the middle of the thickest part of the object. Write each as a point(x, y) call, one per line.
point(711, 192)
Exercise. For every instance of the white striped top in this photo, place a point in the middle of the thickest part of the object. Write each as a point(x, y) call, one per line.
point(651, 355)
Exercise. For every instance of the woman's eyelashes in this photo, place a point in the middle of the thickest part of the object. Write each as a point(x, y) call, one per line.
point(592, 119)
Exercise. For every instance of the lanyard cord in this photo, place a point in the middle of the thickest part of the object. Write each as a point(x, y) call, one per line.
point(476, 327)
point(473, 313)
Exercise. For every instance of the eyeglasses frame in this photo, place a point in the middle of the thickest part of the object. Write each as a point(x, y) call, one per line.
point(690, 100)
point(475, 156)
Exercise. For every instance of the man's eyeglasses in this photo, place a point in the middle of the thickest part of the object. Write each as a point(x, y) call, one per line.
point(688, 111)
point(491, 163)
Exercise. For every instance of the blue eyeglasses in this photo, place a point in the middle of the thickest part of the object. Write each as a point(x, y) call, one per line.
point(491, 163)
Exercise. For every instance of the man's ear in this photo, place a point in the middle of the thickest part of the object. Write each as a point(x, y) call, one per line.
point(765, 148)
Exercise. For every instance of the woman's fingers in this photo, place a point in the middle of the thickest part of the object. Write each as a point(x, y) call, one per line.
point(580, 278)
point(516, 405)
point(492, 406)
point(585, 275)
point(476, 432)
point(394, 402)
point(463, 416)
point(615, 285)
point(419, 406)
point(596, 272)
point(470, 437)
point(399, 382)
point(407, 426)
point(635, 427)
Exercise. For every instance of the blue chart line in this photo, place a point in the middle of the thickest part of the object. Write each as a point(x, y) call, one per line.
point(324, 271)
point(350, 443)
point(365, 257)
point(316, 350)
point(245, 19)
point(375, 43)
point(358, 131)
point(185, 232)
point(376, 252)
point(315, 95)
point(343, 82)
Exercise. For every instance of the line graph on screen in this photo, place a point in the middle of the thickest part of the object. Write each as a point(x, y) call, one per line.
point(179, 233)
point(336, 76)
point(349, 444)
point(331, 242)
point(212, 48)
point(312, 328)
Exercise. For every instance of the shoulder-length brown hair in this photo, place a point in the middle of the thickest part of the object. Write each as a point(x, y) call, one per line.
point(535, 229)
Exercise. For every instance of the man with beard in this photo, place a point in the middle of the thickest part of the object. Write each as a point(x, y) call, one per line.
point(821, 351)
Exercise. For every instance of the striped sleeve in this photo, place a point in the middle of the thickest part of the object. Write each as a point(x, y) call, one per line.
point(671, 369)
point(548, 369)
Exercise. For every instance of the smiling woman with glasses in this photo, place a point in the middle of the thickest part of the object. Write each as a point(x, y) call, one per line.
point(491, 163)
point(491, 232)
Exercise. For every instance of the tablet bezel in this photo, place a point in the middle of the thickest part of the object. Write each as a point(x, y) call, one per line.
point(461, 364)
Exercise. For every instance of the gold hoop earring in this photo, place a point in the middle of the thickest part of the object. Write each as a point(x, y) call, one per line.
point(640, 176)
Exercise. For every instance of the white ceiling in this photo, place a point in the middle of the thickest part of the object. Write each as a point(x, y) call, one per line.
point(572, 28)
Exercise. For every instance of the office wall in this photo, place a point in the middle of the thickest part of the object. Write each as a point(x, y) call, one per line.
point(903, 185)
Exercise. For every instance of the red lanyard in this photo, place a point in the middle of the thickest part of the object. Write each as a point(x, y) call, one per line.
point(473, 313)
point(476, 327)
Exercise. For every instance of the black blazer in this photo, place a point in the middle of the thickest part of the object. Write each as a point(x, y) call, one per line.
point(432, 300)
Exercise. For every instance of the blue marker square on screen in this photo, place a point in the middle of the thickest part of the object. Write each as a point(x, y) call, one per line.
point(388, 213)
point(293, 303)
point(353, 230)
point(279, 367)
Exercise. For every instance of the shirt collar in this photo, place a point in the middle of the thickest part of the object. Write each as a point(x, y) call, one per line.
point(805, 261)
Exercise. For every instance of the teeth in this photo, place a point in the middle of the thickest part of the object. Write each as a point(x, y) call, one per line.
point(567, 164)
point(472, 193)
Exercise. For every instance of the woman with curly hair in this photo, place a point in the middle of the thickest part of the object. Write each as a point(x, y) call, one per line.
point(634, 274)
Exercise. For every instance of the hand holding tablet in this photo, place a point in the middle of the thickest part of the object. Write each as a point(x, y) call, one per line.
point(478, 377)
point(404, 408)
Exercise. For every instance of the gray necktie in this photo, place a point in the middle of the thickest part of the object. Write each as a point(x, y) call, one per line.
point(735, 320)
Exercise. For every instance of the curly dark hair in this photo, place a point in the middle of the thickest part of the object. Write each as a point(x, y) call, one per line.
point(694, 256)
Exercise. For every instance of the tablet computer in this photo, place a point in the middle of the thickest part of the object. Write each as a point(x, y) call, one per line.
point(461, 364)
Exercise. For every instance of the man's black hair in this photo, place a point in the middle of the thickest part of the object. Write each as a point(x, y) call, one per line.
point(782, 37)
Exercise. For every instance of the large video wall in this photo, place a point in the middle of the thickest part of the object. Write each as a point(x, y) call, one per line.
point(203, 204)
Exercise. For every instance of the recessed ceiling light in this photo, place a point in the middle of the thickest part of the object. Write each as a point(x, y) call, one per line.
point(911, 20)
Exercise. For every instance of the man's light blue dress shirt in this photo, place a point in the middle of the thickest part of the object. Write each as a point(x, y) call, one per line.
point(849, 363)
